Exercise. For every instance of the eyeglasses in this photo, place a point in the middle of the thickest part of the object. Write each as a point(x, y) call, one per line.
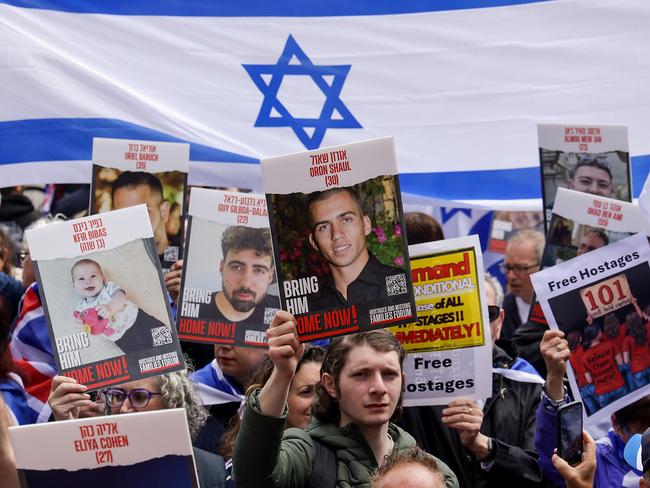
point(138, 398)
point(493, 312)
point(516, 268)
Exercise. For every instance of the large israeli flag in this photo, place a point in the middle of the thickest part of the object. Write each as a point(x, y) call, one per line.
point(461, 84)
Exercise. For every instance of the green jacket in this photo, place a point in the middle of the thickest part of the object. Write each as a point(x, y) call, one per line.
point(268, 456)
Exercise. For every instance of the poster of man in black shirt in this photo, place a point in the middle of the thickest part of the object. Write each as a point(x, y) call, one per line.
point(229, 270)
point(339, 227)
point(338, 241)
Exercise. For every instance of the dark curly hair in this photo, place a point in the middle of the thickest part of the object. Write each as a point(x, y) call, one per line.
point(239, 238)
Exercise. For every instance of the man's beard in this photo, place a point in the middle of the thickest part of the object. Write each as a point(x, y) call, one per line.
point(241, 305)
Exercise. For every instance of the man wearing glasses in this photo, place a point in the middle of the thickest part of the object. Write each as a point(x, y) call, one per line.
point(522, 258)
point(482, 441)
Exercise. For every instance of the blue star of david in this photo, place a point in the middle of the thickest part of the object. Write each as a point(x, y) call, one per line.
point(332, 90)
point(448, 214)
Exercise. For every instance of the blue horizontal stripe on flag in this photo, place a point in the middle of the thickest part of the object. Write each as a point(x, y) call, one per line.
point(71, 139)
point(497, 184)
point(259, 8)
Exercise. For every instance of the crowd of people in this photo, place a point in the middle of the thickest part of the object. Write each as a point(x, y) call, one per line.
point(299, 415)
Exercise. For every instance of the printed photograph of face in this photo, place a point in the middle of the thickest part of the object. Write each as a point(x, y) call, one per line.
point(568, 239)
point(162, 193)
point(606, 174)
point(234, 265)
point(610, 357)
point(338, 228)
point(105, 297)
point(349, 239)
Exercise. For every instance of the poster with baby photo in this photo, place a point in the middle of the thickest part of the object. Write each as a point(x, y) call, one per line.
point(592, 159)
point(102, 290)
point(129, 172)
point(601, 301)
point(337, 225)
point(229, 292)
point(131, 449)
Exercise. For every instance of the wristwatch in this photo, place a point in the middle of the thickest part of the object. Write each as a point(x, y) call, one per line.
point(492, 452)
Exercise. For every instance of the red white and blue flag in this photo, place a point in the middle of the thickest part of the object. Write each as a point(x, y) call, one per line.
point(460, 84)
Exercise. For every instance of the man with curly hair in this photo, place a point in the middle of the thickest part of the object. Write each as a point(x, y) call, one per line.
point(247, 270)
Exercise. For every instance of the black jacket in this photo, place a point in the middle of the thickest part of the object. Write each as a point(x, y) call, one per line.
point(209, 469)
point(509, 418)
point(511, 323)
point(526, 341)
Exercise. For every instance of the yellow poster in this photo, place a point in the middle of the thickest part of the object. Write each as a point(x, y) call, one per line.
point(448, 303)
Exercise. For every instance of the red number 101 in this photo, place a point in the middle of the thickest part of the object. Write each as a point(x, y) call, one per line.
point(605, 295)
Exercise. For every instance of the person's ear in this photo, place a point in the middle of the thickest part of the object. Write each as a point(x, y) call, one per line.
point(328, 383)
point(312, 241)
point(367, 225)
point(164, 210)
point(221, 267)
point(616, 425)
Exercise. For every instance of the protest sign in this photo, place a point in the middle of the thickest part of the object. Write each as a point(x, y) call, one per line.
point(610, 357)
point(506, 223)
point(136, 449)
point(582, 222)
point(586, 158)
point(452, 321)
point(229, 289)
point(336, 221)
point(128, 172)
point(103, 295)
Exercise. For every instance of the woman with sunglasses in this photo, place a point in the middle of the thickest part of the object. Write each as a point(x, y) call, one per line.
point(69, 400)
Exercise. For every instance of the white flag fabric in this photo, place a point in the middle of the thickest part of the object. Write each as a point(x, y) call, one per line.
point(460, 84)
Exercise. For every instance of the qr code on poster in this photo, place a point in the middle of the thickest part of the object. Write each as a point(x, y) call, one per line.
point(269, 315)
point(170, 254)
point(161, 336)
point(396, 284)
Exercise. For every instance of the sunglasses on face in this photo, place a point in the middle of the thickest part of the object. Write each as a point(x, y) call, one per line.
point(493, 312)
point(138, 398)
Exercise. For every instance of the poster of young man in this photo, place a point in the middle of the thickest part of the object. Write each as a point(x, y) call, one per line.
point(449, 347)
point(599, 300)
point(104, 300)
point(336, 221)
point(591, 159)
point(229, 290)
point(129, 172)
point(145, 449)
point(581, 223)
